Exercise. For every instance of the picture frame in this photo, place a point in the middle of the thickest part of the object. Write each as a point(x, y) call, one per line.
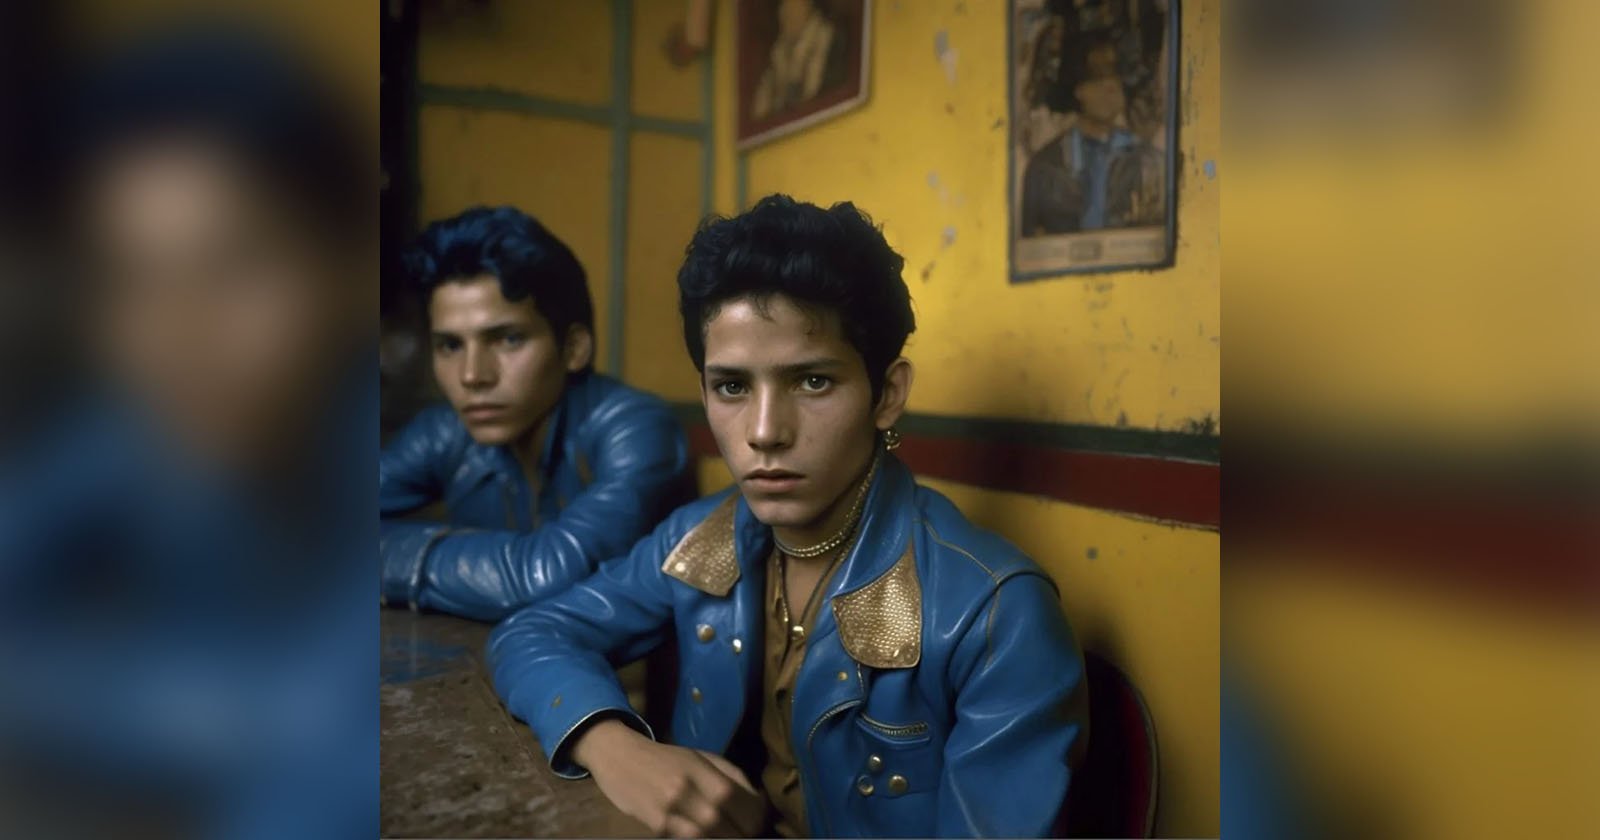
point(798, 63)
point(1092, 138)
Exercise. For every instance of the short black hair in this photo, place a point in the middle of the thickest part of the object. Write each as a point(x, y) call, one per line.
point(527, 259)
point(833, 259)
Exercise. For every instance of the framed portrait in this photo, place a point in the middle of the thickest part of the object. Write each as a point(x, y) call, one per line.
point(799, 62)
point(1093, 133)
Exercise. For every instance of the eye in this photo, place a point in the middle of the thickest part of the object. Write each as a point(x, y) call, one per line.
point(446, 345)
point(729, 388)
point(513, 339)
point(815, 383)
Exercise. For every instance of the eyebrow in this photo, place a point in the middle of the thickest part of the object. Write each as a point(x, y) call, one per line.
point(781, 370)
point(495, 329)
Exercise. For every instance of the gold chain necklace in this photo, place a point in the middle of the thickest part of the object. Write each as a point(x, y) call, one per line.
point(798, 631)
point(850, 521)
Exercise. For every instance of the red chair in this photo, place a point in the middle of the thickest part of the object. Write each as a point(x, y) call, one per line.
point(1114, 793)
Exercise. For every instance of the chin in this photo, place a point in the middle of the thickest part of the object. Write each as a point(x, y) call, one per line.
point(782, 513)
point(490, 436)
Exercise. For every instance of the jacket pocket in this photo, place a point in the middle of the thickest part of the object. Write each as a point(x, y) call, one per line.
point(911, 734)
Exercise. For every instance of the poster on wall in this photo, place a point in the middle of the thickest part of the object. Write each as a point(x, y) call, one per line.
point(1093, 87)
point(799, 62)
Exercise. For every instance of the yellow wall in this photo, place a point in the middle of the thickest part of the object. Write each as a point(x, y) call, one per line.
point(923, 155)
point(1138, 348)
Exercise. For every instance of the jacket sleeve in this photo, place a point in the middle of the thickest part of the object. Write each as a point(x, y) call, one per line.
point(640, 459)
point(408, 468)
point(554, 662)
point(409, 478)
point(1021, 717)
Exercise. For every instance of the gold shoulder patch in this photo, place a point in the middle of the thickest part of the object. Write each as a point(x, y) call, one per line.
point(705, 558)
point(880, 624)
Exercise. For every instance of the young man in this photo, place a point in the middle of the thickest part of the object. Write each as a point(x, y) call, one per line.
point(546, 467)
point(852, 647)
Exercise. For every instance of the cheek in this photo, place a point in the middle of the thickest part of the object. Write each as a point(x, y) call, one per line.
point(724, 423)
point(533, 370)
point(444, 371)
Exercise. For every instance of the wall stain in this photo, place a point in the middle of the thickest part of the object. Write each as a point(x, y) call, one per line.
point(946, 54)
point(1206, 425)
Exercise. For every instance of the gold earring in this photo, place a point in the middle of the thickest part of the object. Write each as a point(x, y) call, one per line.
point(891, 439)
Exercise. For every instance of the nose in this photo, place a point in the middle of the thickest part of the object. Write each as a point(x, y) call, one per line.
point(771, 422)
point(478, 368)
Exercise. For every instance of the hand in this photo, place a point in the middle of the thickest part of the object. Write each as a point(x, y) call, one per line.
point(674, 791)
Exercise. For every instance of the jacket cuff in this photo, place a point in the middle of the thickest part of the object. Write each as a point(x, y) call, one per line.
point(403, 553)
point(558, 712)
point(561, 762)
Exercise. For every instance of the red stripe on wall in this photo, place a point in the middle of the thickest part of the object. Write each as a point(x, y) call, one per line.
point(1181, 492)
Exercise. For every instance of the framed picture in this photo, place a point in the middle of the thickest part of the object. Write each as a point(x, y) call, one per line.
point(1094, 129)
point(799, 62)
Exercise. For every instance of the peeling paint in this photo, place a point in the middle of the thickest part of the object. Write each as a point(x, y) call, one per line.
point(948, 237)
point(1210, 168)
point(946, 54)
point(1205, 425)
point(927, 271)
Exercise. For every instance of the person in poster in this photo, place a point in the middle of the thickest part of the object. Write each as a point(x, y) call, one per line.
point(808, 57)
point(1098, 173)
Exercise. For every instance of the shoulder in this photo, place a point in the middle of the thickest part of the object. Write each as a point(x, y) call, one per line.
point(1049, 161)
point(436, 429)
point(605, 400)
point(969, 557)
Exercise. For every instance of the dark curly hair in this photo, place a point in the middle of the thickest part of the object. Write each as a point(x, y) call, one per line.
point(834, 260)
point(512, 246)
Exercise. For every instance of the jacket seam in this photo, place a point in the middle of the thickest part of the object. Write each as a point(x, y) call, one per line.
point(934, 535)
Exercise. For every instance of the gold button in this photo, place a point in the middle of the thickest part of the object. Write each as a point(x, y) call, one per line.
point(874, 764)
point(680, 567)
point(705, 633)
point(738, 646)
point(898, 784)
point(843, 676)
point(694, 694)
point(797, 632)
point(864, 786)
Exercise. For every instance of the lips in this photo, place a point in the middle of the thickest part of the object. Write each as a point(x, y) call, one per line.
point(772, 481)
point(483, 412)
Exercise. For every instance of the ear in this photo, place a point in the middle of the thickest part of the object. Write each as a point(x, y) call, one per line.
point(896, 390)
point(578, 349)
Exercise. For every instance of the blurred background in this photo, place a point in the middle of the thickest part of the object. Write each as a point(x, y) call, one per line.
point(1412, 550)
point(188, 275)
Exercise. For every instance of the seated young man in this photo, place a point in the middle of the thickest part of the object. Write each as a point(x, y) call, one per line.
point(546, 467)
point(857, 658)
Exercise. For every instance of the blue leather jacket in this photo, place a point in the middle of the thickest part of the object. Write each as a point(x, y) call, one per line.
point(941, 693)
point(613, 464)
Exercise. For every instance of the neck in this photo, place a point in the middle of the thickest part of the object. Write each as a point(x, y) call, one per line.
point(527, 448)
point(835, 518)
point(1097, 129)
